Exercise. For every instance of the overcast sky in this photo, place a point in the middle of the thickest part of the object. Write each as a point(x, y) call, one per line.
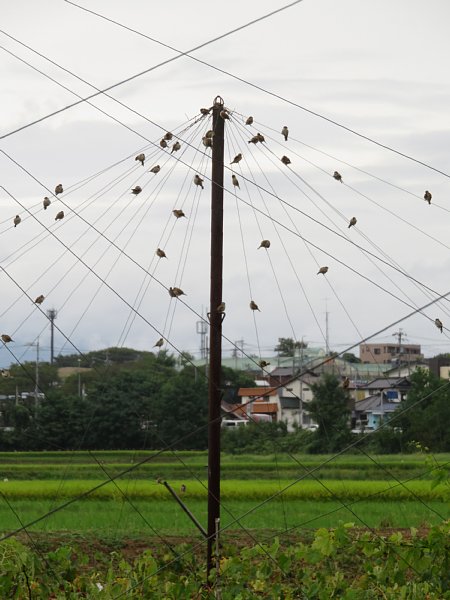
point(376, 67)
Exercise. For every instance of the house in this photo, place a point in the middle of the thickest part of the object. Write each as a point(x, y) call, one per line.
point(372, 411)
point(375, 401)
point(261, 401)
point(385, 353)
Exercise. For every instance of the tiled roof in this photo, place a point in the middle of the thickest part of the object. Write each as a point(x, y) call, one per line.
point(257, 391)
point(265, 408)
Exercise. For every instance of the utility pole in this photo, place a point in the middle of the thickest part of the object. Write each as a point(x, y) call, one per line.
point(51, 314)
point(327, 334)
point(215, 329)
point(400, 334)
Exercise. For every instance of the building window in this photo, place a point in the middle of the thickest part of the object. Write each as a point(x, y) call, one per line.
point(376, 351)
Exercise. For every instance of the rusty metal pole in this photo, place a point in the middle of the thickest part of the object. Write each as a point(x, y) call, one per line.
point(215, 328)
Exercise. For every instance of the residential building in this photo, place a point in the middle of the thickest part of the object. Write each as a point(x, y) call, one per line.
point(385, 353)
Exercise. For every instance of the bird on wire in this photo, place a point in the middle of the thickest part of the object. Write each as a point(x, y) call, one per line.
point(6, 373)
point(175, 147)
point(159, 343)
point(437, 322)
point(264, 244)
point(249, 121)
point(59, 216)
point(136, 190)
point(224, 114)
point(155, 169)
point(254, 306)
point(175, 292)
point(236, 159)
point(198, 180)
point(253, 140)
point(221, 307)
point(207, 141)
point(163, 143)
point(352, 222)
point(285, 133)
point(263, 363)
point(427, 196)
point(17, 220)
point(205, 111)
point(322, 271)
point(260, 137)
point(7, 338)
point(40, 299)
point(160, 253)
point(235, 181)
point(59, 189)
point(337, 176)
point(209, 133)
point(178, 213)
point(168, 136)
point(46, 202)
point(140, 158)
point(285, 160)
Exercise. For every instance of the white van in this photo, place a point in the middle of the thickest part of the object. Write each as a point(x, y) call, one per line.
point(234, 422)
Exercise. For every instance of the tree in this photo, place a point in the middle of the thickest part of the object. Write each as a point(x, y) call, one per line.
point(287, 346)
point(350, 357)
point(330, 409)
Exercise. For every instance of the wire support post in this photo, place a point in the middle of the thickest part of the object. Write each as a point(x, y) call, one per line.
point(215, 326)
point(185, 508)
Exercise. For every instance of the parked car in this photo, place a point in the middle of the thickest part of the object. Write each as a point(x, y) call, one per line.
point(234, 422)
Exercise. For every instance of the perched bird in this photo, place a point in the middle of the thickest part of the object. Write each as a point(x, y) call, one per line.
point(159, 343)
point(285, 133)
point(263, 363)
point(155, 169)
point(322, 270)
point(264, 244)
point(40, 299)
point(59, 216)
point(6, 373)
point(285, 160)
point(136, 190)
point(6, 338)
point(175, 147)
point(198, 180)
point(182, 488)
point(59, 189)
point(175, 292)
point(163, 143)
point(337, 176)
point(205, 111)
point(178, 213)
point(207, 141)
point(235, 181)
point(253, 140)
point(224, 114)
point(168, 135)
point(221, 307)
point(260, 137)
point(17, 220)
point(353, 222)
point(140, 158)
point(437, 322)
point(249, 121)
point(209, 133)
point(46, 202)
point(254, 306)
point(346, 383)
point(160, 253)
point(428, 196)
point(236, 159)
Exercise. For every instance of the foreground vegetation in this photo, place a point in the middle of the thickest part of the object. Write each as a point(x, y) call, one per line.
point(339, 563)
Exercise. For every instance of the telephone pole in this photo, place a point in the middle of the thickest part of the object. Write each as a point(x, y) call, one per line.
point(51, 314)
point(215, 329)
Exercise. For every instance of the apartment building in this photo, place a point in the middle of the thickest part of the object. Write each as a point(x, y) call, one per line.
point(390, 353)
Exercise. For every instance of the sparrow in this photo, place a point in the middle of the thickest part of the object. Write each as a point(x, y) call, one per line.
point(6, 373)
point(59, 189)
point(17, 220)
point(198, 180)
point(168, 136)
point(221, 307)
point(235, 181)
point(264, 244)
point(178, 213)
point(160, 253)
point(140, 158)
point(254, 306)
point(285, 133)
point(155, 169)
point(6, 338)
point(175, 292)
point(224, 114)
point(59, 216)
point(207, 141)
point(205, 111)
point(322, 270)
point(260, 137)
point(236, 159)
point(337, 176)
point(263, 363)
point(182, 488)
point(40, 299)
point(46, 202)
point(285, 160)
point(209, 133)
point(428, 196)
point(249, 121)
point(159, 343)
point(175, 147)
point(163, 143)
point(136, 190)
point(437, 322)
point(353, 222)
